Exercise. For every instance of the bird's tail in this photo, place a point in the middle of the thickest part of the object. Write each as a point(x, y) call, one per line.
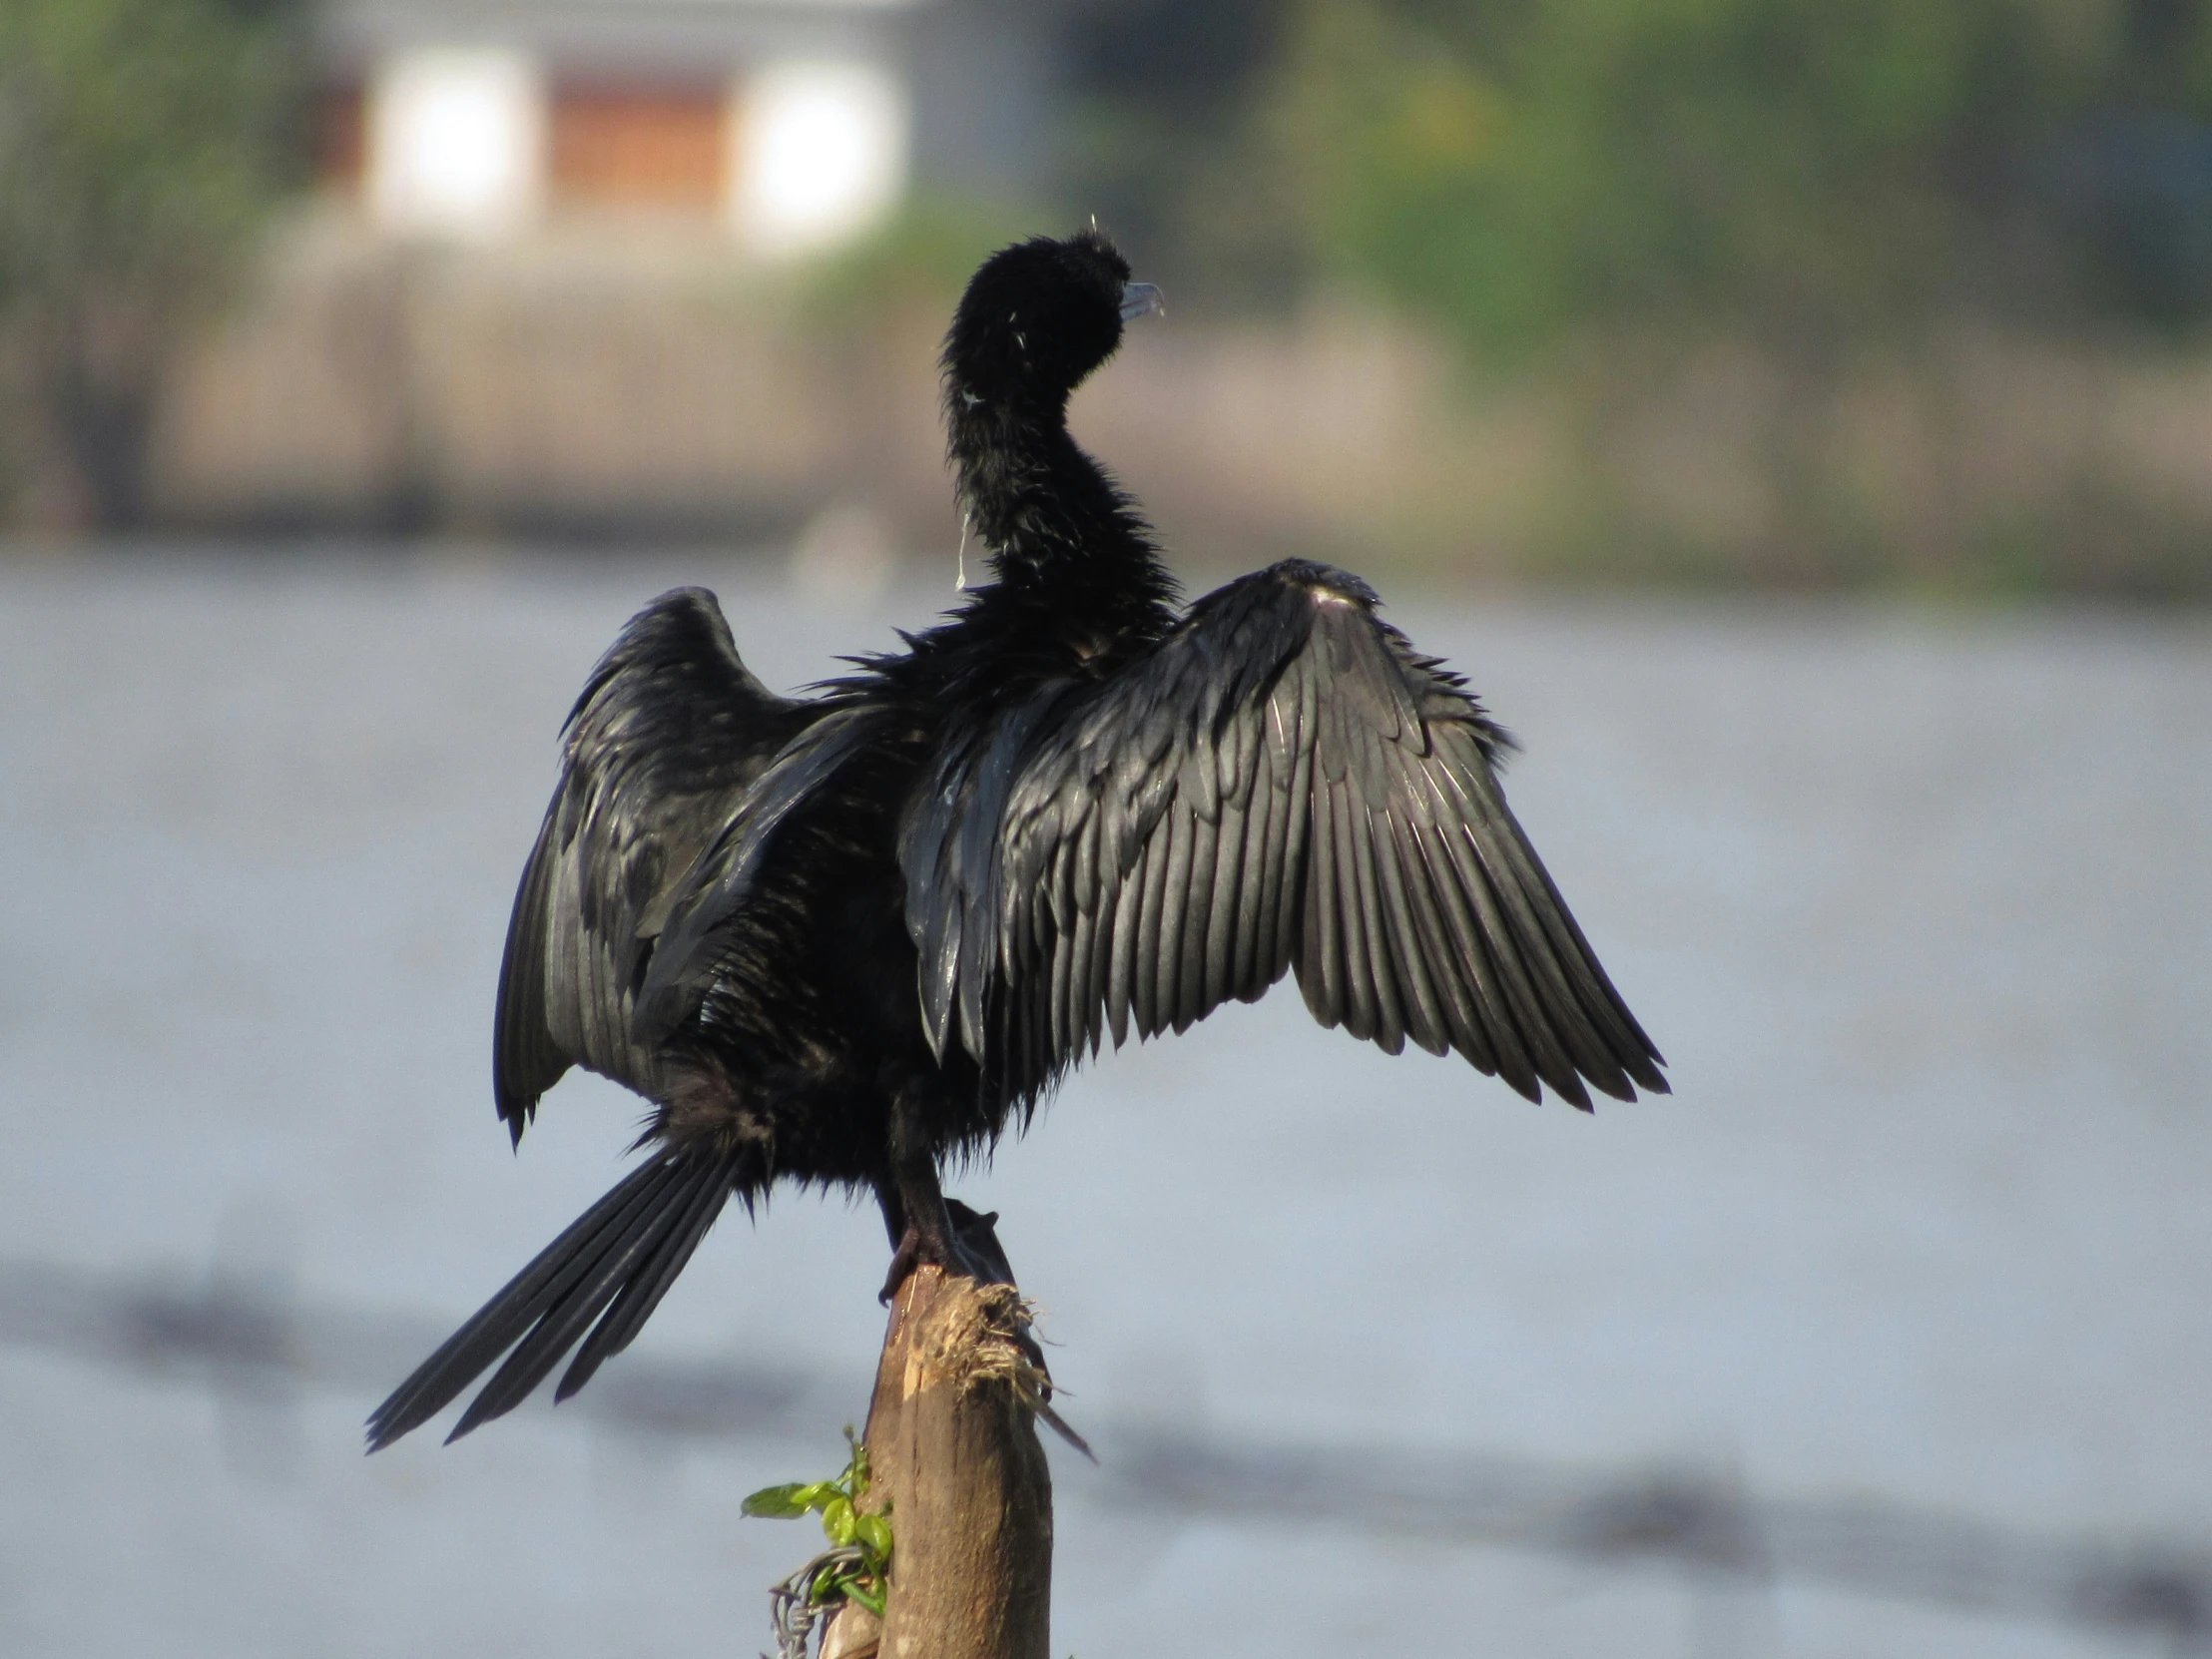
point(612, 1266)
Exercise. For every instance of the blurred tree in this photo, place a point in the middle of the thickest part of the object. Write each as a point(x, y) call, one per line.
point(2132, 184)
point(1823, 181)
point(140, 140)
point(1159, 137)
point(1521, 168)
point(1808, 169)
point(1810, 198)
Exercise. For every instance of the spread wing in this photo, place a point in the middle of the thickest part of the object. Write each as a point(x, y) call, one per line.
point(1283, 784)
point(669, 733)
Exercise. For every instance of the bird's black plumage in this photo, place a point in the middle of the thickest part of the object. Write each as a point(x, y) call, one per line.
point(837, 940)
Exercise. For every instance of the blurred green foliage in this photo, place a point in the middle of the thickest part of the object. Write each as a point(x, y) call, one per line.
point(1161, 145)
point(1767, 257)
point(920, 260)
point(1798, 167)
point(1523, 169)
point(140, 141)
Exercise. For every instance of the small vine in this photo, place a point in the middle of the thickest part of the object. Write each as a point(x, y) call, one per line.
point(861, 1543)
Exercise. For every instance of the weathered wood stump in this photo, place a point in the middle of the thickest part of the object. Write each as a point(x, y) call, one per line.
point(954, 1455)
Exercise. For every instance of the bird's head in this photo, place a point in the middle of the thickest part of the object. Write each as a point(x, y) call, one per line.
point(1037, 319)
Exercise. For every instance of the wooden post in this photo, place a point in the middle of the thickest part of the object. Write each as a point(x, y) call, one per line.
point(954, 1454)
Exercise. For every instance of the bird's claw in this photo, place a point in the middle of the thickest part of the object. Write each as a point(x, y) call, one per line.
point(968, 1247)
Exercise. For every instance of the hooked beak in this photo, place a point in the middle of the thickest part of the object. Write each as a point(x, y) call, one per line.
point(1139, 297)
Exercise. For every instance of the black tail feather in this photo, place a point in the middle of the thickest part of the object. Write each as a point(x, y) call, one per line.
point(560, 1326)
point(619, 1242)
point(642, 1291)
point(501, 1321)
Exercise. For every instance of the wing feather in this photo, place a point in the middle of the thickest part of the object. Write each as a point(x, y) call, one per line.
point(1191, 1000)
point(1402, 939)
point(1147, 962)
point(1261, 869)
point(1121, 972)
point(1293, 810)
point(1224, 872)
point(1321, 970)
point(1282, 785)
point(1432, 914)
point(670, 733)
point(1175, 914)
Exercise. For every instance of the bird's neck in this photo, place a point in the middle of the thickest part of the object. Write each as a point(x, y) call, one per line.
point(1053, 527)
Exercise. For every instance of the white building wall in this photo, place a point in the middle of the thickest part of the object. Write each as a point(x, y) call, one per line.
point(456, 139)
point(820, 153)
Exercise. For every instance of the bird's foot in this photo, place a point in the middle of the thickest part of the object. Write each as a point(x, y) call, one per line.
point(970, 1247)
point(967, 1246)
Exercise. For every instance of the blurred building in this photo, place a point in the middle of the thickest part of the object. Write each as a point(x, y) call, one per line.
point(540, 288)
point(796, 125)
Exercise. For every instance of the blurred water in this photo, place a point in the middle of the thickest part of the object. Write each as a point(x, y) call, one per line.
point(1917, 905)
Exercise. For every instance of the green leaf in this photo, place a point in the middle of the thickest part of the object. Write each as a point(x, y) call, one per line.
point(873, 1534)
point(873, 1600)
point(778, 1502)
point(837, 1520)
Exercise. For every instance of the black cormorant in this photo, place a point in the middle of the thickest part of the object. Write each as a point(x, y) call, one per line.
point(835, 939)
